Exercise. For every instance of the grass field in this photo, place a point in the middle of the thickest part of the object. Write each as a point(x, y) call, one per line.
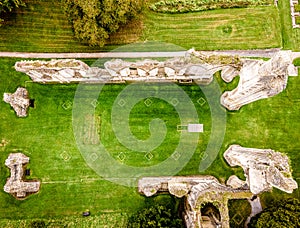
point(69, 186)
point(42, 26)
point(290, 36)
point(103, 220)
point(240, 210)
point(248, 28)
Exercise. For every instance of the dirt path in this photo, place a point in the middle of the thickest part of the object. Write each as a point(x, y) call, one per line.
point(245, 53)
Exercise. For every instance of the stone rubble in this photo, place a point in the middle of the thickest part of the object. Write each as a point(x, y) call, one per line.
point(263, 168)
point(18, 100)
point(259, 79)
point(191, 68)
point(196, 191)
point(15, 184)
point(294, 13)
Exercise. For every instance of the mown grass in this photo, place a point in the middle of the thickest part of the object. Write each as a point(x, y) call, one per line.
point(239, 210)
point(290, 36)
point(248, 28)
point(103, 220)
point(140, 117)
point(69, 186)
point(42, 26)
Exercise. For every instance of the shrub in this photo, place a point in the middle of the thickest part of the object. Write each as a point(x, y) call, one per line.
point(155, 216)
point(285, 213)
point(296, 62)
point(184, 6)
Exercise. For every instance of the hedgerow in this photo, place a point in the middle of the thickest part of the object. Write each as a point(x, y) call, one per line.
point(184, 6)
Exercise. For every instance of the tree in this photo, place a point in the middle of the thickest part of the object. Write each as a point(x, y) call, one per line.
point(94, 20)
point(155, 216)
point(8, 5)
point(285, 213)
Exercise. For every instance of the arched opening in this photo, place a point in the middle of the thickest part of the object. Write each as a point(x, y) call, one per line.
point(210, 216)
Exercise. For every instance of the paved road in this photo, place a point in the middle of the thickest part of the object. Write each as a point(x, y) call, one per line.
point(245, 53)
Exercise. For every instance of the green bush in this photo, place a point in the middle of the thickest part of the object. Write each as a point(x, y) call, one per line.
point(184, 6)
point(9, 6)
point(284, 213)
point(297, 8)
point(155, 216)
point(297, 20)
point(296, 62)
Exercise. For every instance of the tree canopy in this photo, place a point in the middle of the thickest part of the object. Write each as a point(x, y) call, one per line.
point(285, 213)
point(9, 5)
point(94, 20)
point(155, 216)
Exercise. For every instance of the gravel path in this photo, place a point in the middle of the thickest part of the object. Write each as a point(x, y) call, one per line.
point(92, 55)
point(268, 53)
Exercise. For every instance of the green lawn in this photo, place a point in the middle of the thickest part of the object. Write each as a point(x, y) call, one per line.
point(248, 28)
point(238, 213)
point(290, 36)
point(42, 26)
point(69, 186)
point(103, 220)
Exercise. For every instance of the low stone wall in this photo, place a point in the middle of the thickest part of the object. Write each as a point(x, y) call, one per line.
point(263, 168)
point(196, 190)
point(15, 184)
point(194, 67)
point(259, 80)
point(18, 100)
point(294, 14)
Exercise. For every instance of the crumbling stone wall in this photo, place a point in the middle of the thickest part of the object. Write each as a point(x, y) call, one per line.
point(263, 169)
point(18, 100)
point(15, 184)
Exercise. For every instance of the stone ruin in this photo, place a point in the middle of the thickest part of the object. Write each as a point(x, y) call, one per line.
point(15, 184)
point(191, 68)
point(294, 13)
point(263, 169)
point(259, 79)
point(196, 190)
point(18, 100)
